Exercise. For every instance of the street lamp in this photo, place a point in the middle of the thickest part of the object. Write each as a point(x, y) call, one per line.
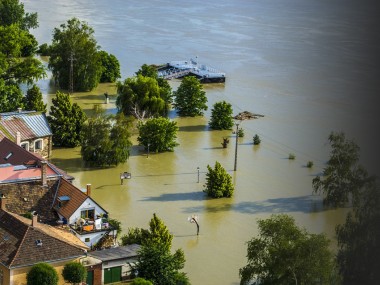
point(198, 173)
point(236, 145)
point(147, 155)
point(194, 219)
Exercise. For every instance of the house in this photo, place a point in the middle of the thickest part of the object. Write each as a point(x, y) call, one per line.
point(24, 243)
point(29, 129)
point(111, 265)
point(34, 185)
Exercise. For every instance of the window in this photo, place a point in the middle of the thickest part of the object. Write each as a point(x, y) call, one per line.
point(88, 214)
point(38, 144)
point(87, 239)
point(25, 145)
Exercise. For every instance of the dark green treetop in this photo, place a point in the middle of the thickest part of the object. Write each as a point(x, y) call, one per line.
point(218, 182)
point(221, 116)
point(190, 99)
point(33, 100)
point(74, 272)
point(111, 67)
point(42, 274)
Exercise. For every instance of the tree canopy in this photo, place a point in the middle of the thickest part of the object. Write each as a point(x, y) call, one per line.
point(74, 43)
point(218, 182)
point(110, 67)
point(342, 176)
point(159, 133)
point(105, 140)
point(33, 100)
point(221, 116)
point(13, 12)
point(42, 274)
point(66, 121)
point(285, 254)
point(74, 272)
point(141, 97)
point(190, 98)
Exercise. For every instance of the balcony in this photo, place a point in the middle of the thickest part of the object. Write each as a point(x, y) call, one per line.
point(90, 226)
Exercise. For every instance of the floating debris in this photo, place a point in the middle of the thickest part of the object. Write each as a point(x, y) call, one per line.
point(247, 116)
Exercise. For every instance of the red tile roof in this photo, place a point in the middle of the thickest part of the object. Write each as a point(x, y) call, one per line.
point(18, 247)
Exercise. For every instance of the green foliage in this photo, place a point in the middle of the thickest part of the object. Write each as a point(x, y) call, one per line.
point(12, 12)
point(285, 254)
point(111, 67)
point(66, 121)
point(42, 274)
point(256, 139)
point(309, 164)
point(158, 233)
point(116, 224)
point(240, 133)
point(342, 176)
point(291, 156)
point(221, 116)
point(359, 238)
point(74, 272)
point(159, 133)
point(147, 71)
point(75, 39)
point(190, 99)
point(140, 281)
point(158, 265)
point(44, 50)
point(30, 48)
point(28, 215)
point(218, 182)
point(141, 97)
point(105, 140)
point(11, 97)
point(33, 100)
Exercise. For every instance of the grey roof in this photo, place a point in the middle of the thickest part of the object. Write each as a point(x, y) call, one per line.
point(116, 253)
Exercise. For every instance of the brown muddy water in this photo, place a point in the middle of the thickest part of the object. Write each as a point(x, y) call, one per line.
point(293, 61)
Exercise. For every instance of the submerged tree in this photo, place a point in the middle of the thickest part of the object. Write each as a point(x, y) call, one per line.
point(74, 272)
point(106, 139)
point(74, 45)
point(66, 121)
point(190, 98)
point(110, 66)
point(286, 254)
point(159, 134)
point(218, 182)
point(221, 116)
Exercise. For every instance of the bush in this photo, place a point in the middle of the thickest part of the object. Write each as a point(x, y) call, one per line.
point(256, 140)
point(309, 164)
point(218, 182)
point(42, 274)
point(240, 133)
point(74, 272)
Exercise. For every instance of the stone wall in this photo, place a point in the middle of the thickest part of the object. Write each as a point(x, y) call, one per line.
point(31, 196)
point(45, 152)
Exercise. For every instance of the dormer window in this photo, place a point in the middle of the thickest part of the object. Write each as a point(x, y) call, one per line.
point(38, 145)
point(25, 145)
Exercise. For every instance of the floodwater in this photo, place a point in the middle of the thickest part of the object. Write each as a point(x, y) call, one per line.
point(306, 65)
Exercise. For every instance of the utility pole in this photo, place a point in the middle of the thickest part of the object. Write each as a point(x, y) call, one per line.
point(236, 145)
point(71, 75)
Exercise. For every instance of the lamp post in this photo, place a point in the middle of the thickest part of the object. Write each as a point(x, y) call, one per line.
point(147, 155)
point(194, 219)
point(236, 145)
point(198, 173)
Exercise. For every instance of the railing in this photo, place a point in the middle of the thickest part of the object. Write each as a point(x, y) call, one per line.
point(90, 228)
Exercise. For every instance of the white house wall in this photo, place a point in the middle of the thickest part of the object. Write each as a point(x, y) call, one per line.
point(88, 204)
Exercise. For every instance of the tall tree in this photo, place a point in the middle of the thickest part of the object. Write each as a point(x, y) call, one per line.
point(74, 272)
point(140, 97)
point(159, 134)
point(218, 182)
point(74, 45)
point(13, 12)
point(111, 67)
point(66, 121)
point(33, 99)
point(106, 140)
point(190, 98)
point(286, 254)
point(343, 176)
point(42, 274)
point(221, 116)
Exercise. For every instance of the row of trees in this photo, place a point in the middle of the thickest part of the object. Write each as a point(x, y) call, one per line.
point(286, 254)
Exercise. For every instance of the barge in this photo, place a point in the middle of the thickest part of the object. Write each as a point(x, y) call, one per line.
point(180, 69)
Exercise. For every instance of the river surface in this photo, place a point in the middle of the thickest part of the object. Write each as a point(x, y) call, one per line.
point(308, 66)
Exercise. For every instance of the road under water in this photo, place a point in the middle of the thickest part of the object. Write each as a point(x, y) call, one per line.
point(290, 60)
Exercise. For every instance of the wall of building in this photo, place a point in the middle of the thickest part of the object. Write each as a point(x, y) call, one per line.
point(31, 196)
point(45, 152)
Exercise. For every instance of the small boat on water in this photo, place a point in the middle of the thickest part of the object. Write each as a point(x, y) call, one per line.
point(180, 69)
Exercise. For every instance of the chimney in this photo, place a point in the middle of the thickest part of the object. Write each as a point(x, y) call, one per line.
point(34, 219)
point(3, 202)
point(18, 138)
point(19, 110)
point(43, 173)
point(88, 190)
